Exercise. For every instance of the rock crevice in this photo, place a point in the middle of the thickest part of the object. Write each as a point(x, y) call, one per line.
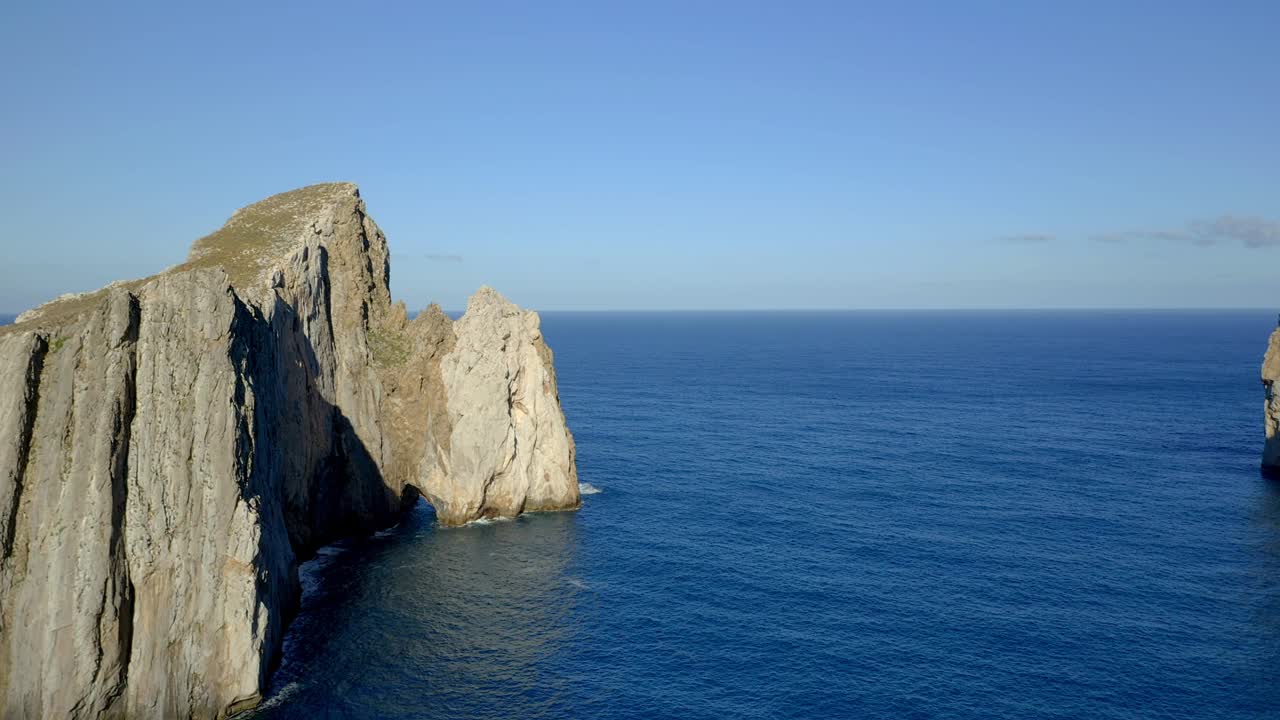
point(19, 413)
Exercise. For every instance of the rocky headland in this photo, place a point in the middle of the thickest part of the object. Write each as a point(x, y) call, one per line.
point(172, 447)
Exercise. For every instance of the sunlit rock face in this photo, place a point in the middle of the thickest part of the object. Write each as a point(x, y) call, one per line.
point(171, 447)
point(508, 450)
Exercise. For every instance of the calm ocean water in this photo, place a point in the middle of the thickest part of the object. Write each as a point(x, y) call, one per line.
point(842, 515)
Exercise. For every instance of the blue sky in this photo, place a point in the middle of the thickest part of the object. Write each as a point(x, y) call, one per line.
point(654, 155)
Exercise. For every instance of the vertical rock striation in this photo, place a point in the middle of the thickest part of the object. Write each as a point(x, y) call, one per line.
point(171, 447)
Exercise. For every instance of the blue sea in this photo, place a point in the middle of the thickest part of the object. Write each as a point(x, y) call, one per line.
point(844, 515)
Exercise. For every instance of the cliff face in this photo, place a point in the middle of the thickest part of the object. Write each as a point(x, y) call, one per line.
point(507, 450)
point(170, 447)
point(1271, 405)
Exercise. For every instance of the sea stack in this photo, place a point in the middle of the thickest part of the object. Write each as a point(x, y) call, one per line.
point(172, 447)
point(1271, 406)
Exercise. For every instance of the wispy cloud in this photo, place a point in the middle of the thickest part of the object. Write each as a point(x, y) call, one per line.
point(1249, 231)
point(1128, 235)
point(430, 257)
point(1026, 238)
point(1254, 232)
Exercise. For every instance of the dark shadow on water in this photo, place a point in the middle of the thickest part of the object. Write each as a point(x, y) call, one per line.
point(424, 622)
point(312, 476)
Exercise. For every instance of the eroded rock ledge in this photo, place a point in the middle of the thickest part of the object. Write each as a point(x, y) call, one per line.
point(172, 447)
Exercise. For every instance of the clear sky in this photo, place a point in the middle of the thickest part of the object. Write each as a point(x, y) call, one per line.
point(653, 155)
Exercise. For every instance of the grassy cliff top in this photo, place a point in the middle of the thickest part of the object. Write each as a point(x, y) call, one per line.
point(257, 235)
point(245, 246)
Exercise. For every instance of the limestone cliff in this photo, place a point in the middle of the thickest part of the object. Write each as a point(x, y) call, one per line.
point(475, 411)
point(507, 450)
point(1271, 406)
point(171, 447)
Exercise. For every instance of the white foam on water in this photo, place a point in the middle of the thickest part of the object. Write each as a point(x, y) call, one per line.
point(309, 571)
point(588, 489)
point(279, 697)
point(486, 521)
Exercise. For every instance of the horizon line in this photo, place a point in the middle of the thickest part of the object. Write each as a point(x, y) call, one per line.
point(1054, 308)
point(1051, 308)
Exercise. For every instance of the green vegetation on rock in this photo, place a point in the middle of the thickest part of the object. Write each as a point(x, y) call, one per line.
point(389, 347)
point(263, 232)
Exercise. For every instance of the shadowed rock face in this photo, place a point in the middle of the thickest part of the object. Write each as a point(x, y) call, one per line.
point(171, 447)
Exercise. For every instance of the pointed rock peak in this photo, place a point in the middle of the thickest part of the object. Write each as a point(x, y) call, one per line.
point(434, 313)
point(487, 299)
